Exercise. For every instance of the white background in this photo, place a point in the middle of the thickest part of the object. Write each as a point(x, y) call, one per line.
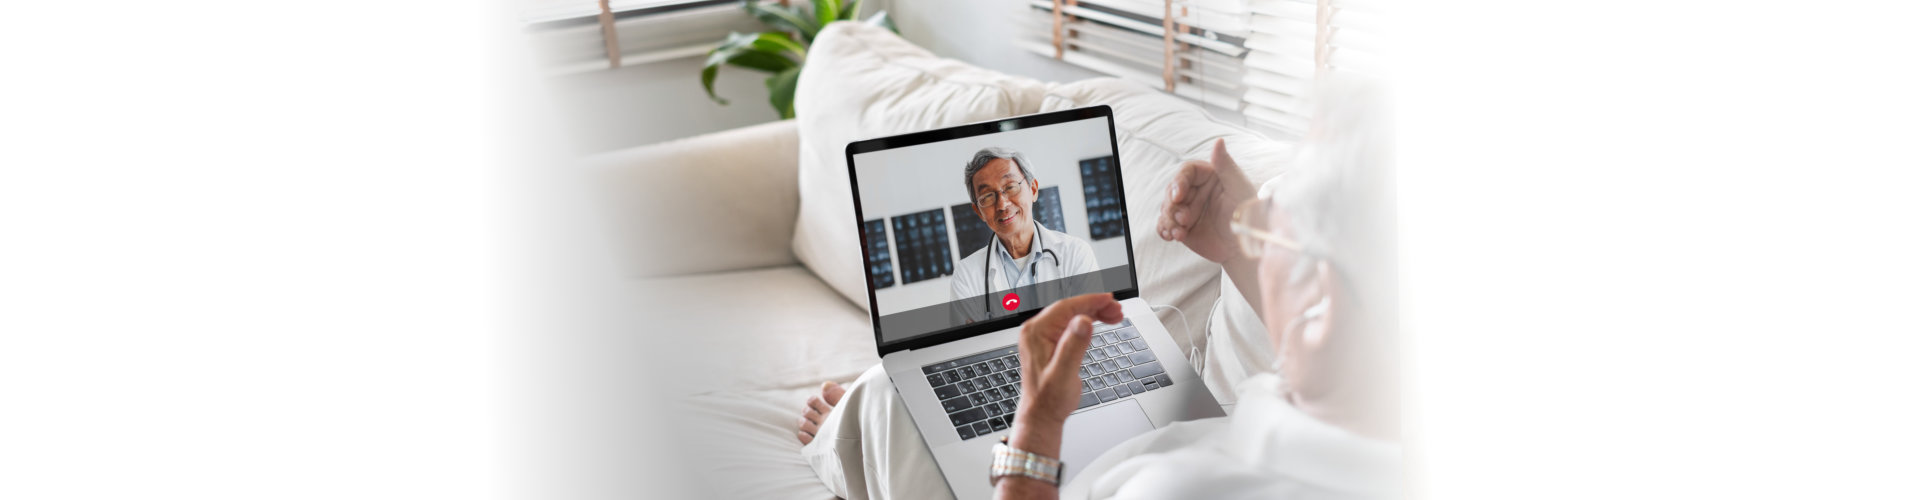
point(928, 176)
point(259, 250)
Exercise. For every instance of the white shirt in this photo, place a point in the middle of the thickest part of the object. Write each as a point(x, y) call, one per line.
point(1266, 449)
point(1070, 256)
point(1021, 263)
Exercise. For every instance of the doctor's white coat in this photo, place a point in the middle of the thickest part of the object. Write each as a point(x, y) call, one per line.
point(1075, 258)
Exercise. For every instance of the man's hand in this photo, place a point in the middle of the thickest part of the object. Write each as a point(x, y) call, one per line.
point(1052, 346)
point(1200, 205)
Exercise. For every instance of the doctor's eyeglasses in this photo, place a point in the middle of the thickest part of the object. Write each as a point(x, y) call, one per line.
point(992, 198)
point(1250, 223)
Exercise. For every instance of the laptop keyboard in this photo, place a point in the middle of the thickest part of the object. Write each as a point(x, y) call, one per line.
point(980, 393)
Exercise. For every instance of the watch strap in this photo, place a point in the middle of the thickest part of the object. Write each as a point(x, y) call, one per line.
point(1010, 461)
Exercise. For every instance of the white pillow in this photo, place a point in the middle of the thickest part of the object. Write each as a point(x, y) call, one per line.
point(862, 82)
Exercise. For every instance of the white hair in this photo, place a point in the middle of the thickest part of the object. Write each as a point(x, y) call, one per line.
point(1339, 191)
point(1339, 195)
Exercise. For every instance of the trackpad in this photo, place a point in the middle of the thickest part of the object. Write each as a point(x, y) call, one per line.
point(1090, 433)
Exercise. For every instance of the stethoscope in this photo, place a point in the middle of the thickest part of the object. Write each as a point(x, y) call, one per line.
point(1033, 267)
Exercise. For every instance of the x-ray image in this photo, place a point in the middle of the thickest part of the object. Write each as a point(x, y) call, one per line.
point(1102, 192)
point(879, 260)
point(920, 240)
point(971, 231)
point(1046, 209)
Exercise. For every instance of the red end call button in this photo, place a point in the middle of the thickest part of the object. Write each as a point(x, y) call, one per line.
point(1011, 301)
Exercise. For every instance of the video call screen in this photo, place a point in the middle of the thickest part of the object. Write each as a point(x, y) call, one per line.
point(929, 264)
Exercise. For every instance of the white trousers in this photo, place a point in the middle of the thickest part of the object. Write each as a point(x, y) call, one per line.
point(869, 447)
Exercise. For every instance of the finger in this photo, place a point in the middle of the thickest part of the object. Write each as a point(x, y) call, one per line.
point(1165, 224)
point(1041, 335)
point(1073, 347)
point(814, 403)
point(1185, 181)
point(805, 438)
point(1221, 161)
point(1160, 224)
point(1110, 314)
point(1092, 304)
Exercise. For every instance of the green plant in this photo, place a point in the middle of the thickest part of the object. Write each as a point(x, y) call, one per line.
point(783, 50)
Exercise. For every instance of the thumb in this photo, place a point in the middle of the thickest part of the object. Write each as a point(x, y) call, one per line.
point(1072, 348)
point(1221, 161)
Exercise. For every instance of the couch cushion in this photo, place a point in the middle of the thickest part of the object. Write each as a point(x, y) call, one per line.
point(774, 328)
point(862, 82)
point(1157, 132)
point(735, 189)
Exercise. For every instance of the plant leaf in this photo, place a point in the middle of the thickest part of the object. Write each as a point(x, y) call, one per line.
point(780, 89)
point(755, 51)
point(850, 11)
point(826, 11)
point(773, 42)
point(763, 61)
point(776, 41)
point(784, 18)
point(882, 20)
point(706, 80)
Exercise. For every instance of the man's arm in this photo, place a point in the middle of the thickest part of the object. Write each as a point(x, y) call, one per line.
point(1052, 345)
point(1199, 210)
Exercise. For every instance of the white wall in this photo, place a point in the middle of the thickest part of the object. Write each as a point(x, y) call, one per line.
point(930, 176)
point(979, 32)
point(611, 109)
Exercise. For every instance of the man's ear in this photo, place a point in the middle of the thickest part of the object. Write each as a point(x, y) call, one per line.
point(1315, 333)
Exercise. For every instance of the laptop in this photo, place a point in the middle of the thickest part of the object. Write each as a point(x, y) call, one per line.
point(935, 239)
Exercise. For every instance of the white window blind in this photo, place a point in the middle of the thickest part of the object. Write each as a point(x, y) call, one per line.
point(636, 31)
point(540, 11)
point(1255, 57)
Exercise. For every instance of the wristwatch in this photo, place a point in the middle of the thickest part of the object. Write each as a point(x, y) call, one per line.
point(1010, 461)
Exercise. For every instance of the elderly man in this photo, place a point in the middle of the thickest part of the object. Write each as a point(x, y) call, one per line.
point(1314, 255)
point(1022, 252)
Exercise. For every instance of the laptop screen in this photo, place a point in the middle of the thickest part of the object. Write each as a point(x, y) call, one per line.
point(971, 229)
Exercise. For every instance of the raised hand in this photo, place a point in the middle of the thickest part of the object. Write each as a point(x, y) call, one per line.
point(1200, 205)
point(1052, 345)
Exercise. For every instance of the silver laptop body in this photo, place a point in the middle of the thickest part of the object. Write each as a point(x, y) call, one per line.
point(961, 384)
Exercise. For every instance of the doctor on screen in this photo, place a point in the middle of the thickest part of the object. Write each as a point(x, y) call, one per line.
point(1022, 252)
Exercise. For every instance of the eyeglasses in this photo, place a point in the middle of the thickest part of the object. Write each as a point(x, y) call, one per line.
point(1250, 223)
point(992, 198)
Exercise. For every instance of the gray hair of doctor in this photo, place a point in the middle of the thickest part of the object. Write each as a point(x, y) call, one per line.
point(1341, 198)
point(987, 155)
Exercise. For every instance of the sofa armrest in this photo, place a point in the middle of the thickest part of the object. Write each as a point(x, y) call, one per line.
point(716, 202)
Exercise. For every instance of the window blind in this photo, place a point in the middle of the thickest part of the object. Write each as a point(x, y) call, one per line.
point(1254, 57)
point(646, 31)
point(540, 11)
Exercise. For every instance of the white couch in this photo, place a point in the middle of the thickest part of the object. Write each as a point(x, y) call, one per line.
point(743, 250)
